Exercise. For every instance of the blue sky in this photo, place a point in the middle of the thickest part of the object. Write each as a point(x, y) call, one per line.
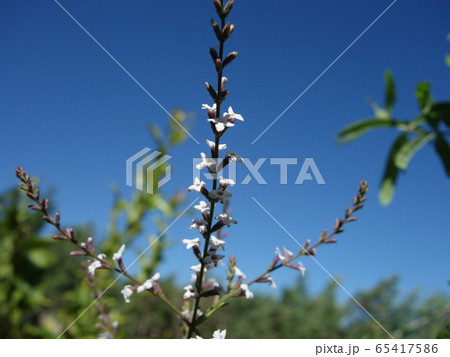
point(71, 116)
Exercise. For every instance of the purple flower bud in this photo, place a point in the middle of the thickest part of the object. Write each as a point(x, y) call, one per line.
point(231, 56)
point(59, 237)
point(78, 253)
point(57, 218)
point(90, 242)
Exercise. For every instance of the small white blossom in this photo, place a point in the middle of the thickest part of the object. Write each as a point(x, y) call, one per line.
point(197, 186)
point(203, 207)
point(190, 291)
point(212, 145)
point(221, 123)
point(219, 334)
point(248, 293)
point(234, 156)
point(287, 254)
point(196, 267)
point(208, 162)
point(127, 292)
point(191, 243)
point(215, 243)
point(96, 264)
point(301, 268)
point(199, 224)
point(148, 284)
point(226, 219)
point(211, 109)
point(232, 115)
point(239, 273)
point(219, 195)
point(213, 259)
point(224, 181)
point(271, 281)
point(118, 255)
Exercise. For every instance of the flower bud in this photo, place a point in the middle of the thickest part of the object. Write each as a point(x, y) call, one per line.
point(223, 95)
point(223, 83)
point(216, 30)
point(90, 244)
point(227, 30)
point(218, 6)
point(218, 63)
point(211, 91)
point(231, 56)
point(228, 7)
point(213, 54)
point(78, 253)
point(59, 237)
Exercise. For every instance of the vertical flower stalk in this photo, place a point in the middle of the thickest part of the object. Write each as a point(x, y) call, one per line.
point(219, 192)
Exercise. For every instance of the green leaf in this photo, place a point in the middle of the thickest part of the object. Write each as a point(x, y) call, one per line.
point(390, 95)
point(443, 150)
point(409, 148)
point(441, 111)
point(447, 60)
point(41, 258)
point(358, 128)
point(391, 172)
point(424, 97)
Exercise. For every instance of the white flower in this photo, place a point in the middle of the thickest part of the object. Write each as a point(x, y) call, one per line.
point(190, 291)
point(287, 254)
point(224, 181)
point(301, 268)
point(248, 293)
point(211, 109)
point(239, 273)
point(200, 224)
point(226, 219)
point(118, 255)
point(271, 281)
point(232, 115)
point(148, 284)
point(208, 162)
point(203, 207)
point(221, 123)
point(219, 334)
point(127, 292)
point(191, 243)
point(215, 243)
point(196, 267)
point(197, 186)
point(96, 264)
point(234, 156)
point(212, 145)
point(219, 195)
point(213, 259)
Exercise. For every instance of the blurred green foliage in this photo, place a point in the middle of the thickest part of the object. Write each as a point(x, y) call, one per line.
point(430, 126)
point(42, 291)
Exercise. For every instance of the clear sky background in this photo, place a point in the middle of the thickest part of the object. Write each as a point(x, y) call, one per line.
point(71, 116)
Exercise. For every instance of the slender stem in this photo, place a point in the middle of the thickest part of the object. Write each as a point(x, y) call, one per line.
point(215, 156)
